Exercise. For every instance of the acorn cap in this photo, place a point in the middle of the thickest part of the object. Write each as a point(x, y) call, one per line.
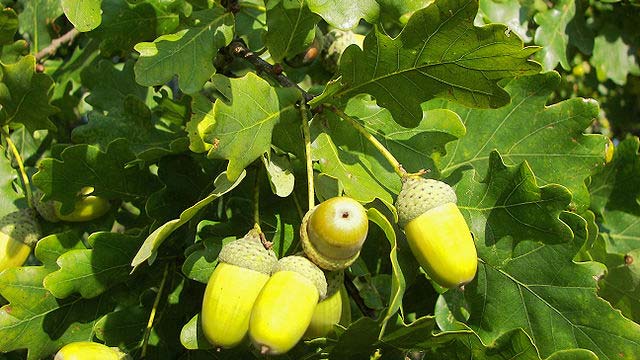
point(306, 268)
point(418, 195)
point(249, 253)
point(46, 209)
point(335, 279)
point(21, 226)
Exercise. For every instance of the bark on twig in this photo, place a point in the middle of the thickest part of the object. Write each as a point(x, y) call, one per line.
point(56, 43)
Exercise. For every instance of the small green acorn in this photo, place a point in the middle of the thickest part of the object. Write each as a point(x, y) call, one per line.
point(19, 232)
point(334, 309)
point(436, 231)
point(333, 232)
point(84, 350)
point(283, 310)
point(88, 207)
point(243, 269)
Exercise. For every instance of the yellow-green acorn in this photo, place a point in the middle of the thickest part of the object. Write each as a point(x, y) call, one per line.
point(436, 231)
point(19, 232)
point(334, 309)
point(87, 208)
point(243, 269)
point(283, 310)
point(333, 232)
point(84, 350)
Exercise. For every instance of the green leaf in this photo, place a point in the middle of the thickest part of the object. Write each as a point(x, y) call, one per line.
point(526, 266)
point(109, 85)
point(549, 138)
point(251, 24)
point(552, 34)
point(185, 183)
point(8, 196)
point(202, 117)
point(203, 258)
point(191, 335)
point(615, 186)
point(363, 172)
point(398, 284)
point(621, 285)
point(613, 58)
point(35, 19)
point(291, 28)
point(51, 247)
point(85, 15)
point(125, 24)
point(151, 244)
point(187, 53)
point(37, 321)
point(245, 121)
point(8, 26)
point(91, 272)
point(149, 138)
point(25, 95)
point(507, 12)
point(85, 165)
point(280, 174)
point(345, 15)
point(438, 54)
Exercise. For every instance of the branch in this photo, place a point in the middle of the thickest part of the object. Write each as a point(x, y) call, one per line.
point(56, 43)
point(237, 48)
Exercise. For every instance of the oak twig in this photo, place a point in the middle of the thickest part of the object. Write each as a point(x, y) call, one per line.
point(50, 50)
point(237, 48)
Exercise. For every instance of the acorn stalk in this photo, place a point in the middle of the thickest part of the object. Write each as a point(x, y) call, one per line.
point(243, 269)
point(436, 231)
point(283, 310)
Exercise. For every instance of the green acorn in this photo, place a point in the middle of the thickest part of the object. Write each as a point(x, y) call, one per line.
point(83, 350)
point(333, 232)
point(243, 269)
point(19, 232)
point(334, 309)
point(436, 231)
point(283, 310)
point(88, 207)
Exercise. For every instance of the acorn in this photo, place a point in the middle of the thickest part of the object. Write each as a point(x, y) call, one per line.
point(83, 350)
point(283, 310)
point(333, 232)
point(87, 208)
point(436, 231)
point(334, 309)
point(243, 269)
point(19, 232)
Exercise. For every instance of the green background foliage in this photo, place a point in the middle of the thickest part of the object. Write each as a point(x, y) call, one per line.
point(514, 103)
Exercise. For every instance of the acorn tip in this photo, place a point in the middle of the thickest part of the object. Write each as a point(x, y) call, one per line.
point(264, 350)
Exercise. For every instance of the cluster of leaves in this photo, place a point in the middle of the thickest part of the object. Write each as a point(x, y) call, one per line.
point(143, 101)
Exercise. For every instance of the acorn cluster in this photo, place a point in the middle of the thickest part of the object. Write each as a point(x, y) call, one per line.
point(279, 302)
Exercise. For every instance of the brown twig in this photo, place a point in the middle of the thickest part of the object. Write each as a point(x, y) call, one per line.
point(56, 43)
point(237, 48)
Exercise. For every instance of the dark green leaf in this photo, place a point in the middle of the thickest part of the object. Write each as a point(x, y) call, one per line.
point(438, 54)
point(550, 138)
point(8, 26)
point(85, 165)
point(25, 95)
point(291, 27)
point(35, 19)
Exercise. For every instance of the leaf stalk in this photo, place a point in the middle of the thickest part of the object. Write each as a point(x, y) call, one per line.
point(23, 172)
